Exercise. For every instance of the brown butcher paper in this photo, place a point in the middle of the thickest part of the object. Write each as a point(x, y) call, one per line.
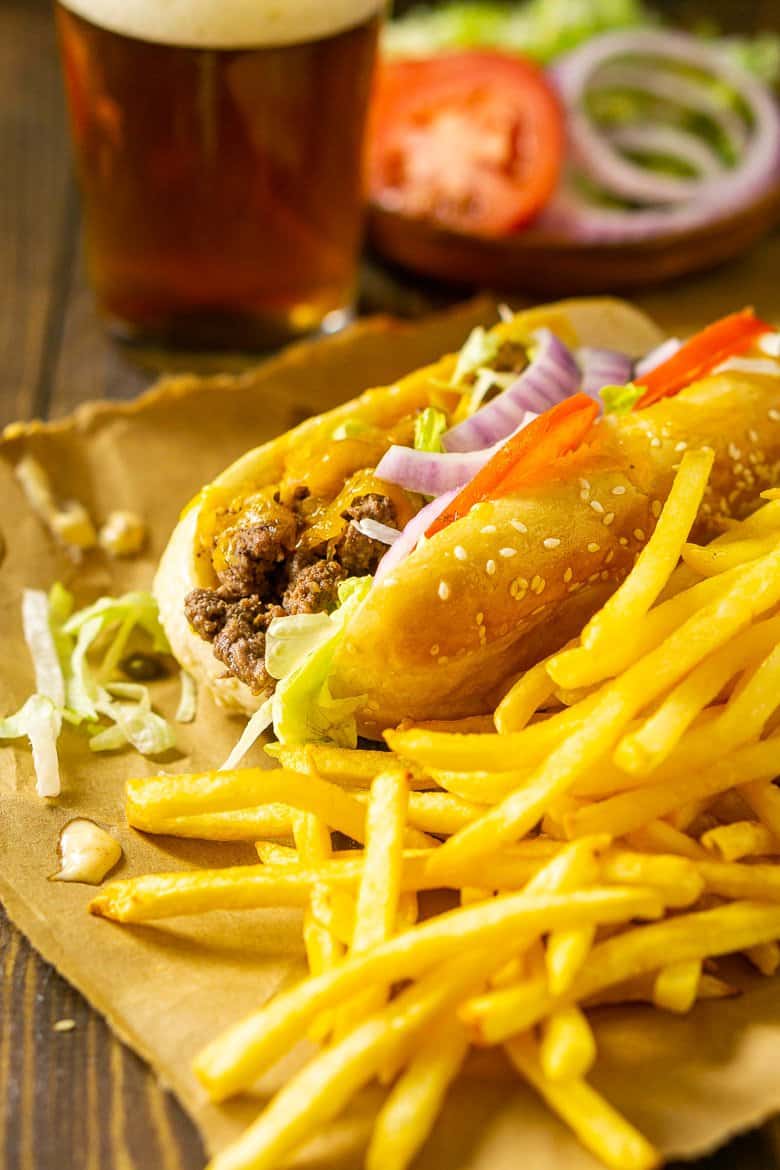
point(168, 988)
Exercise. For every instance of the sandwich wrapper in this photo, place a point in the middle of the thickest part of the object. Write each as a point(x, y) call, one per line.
point(168, 988)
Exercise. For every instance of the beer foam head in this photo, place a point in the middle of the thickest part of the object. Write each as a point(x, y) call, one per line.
point(226, 24)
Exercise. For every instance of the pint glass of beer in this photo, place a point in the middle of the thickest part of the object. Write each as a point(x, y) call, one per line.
point(218, 147)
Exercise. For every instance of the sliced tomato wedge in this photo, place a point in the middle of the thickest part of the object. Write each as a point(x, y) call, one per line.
point(472, 141)
point(527, 456)
point(701, 354)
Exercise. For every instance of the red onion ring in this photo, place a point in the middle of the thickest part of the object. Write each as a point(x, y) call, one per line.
point(551, 376)
point(410, 535)
point(572, 215)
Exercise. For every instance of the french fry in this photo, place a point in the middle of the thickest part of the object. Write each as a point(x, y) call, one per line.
point(710, 560)
point(498, 927)
point(630, 603)
point(568, 1048)
point(676, 986)
point(239, 824)
point(272, 853)
point(643, 749)
point(323, 1087)
point(323, 948)
point(566, 951)
point(730, 879)
point(748, 711)
point(661, 837)
point(523, 699)
point(490, 753)
point(739, 839)
point(587, 668)
point(380, 886)
point(765, 957)
point(679, 880)
point(599, 1127)
point(632, 600)
point(764, 799)
point(409, 1113)
point(757, 589)
point(630, 810)
point(350, 767)
point(640, 990)
point(495, 1016)
point(154, 800)
point(771, 494)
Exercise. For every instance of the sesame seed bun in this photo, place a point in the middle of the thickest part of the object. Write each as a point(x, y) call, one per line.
point(446, 631)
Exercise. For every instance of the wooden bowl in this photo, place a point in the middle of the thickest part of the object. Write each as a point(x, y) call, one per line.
point(558, 268)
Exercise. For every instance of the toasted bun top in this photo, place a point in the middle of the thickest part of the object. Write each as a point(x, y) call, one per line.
point(226, 24)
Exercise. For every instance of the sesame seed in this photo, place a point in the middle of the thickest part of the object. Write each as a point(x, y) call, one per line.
point(480, 618)
point(488, 528)
point(609, 557)
point(507, 552)
point(584, 495)
point(610, 516)
point(538, 584)
point(460, 552)
point(655, 508)
point(623, 540)
point(539, 609)
point(518, 525)
point(605, 574)
point(594, 577)
point(639, 533)
point(753, 435)
point(774, 414)
point(575, 588)
point(490, 568)
point(734, 451)
point(655, 441)
point(596, 506)
point(434, 649)
point(551, 542)
point(593, 547)
point(444, 590)
point(518, 588)
point(442, 659)
point(585, 485)
point(618, 490)
point(567, 576)
point(681, 446)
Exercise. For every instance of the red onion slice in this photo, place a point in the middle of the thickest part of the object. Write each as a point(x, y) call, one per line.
point(410, 535)
point(602, 367)
point(657, 356)
point(552, 376)
point(671, 142)
point(573, 216)
point(429, 472)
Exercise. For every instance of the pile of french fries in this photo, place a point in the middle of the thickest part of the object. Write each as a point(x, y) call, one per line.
point(614, 833)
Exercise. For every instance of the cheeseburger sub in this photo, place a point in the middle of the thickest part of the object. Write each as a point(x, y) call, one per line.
point(409, 553)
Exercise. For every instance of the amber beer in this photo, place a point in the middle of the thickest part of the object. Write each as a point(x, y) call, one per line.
point(218, 146)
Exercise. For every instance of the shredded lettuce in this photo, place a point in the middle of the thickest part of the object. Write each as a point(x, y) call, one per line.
point(303, 708)
point(188, 700)
point(429, 426)
point(541, 29)
point(620, 399)
point(38, 720)
point(72, 686)
point(479, 349)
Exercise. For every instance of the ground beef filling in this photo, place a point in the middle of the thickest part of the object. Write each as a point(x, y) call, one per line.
point(265, 577)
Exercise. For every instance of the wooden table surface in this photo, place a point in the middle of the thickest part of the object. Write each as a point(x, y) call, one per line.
point(78, 1099)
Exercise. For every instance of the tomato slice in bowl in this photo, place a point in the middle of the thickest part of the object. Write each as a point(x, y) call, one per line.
point(471, 141)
